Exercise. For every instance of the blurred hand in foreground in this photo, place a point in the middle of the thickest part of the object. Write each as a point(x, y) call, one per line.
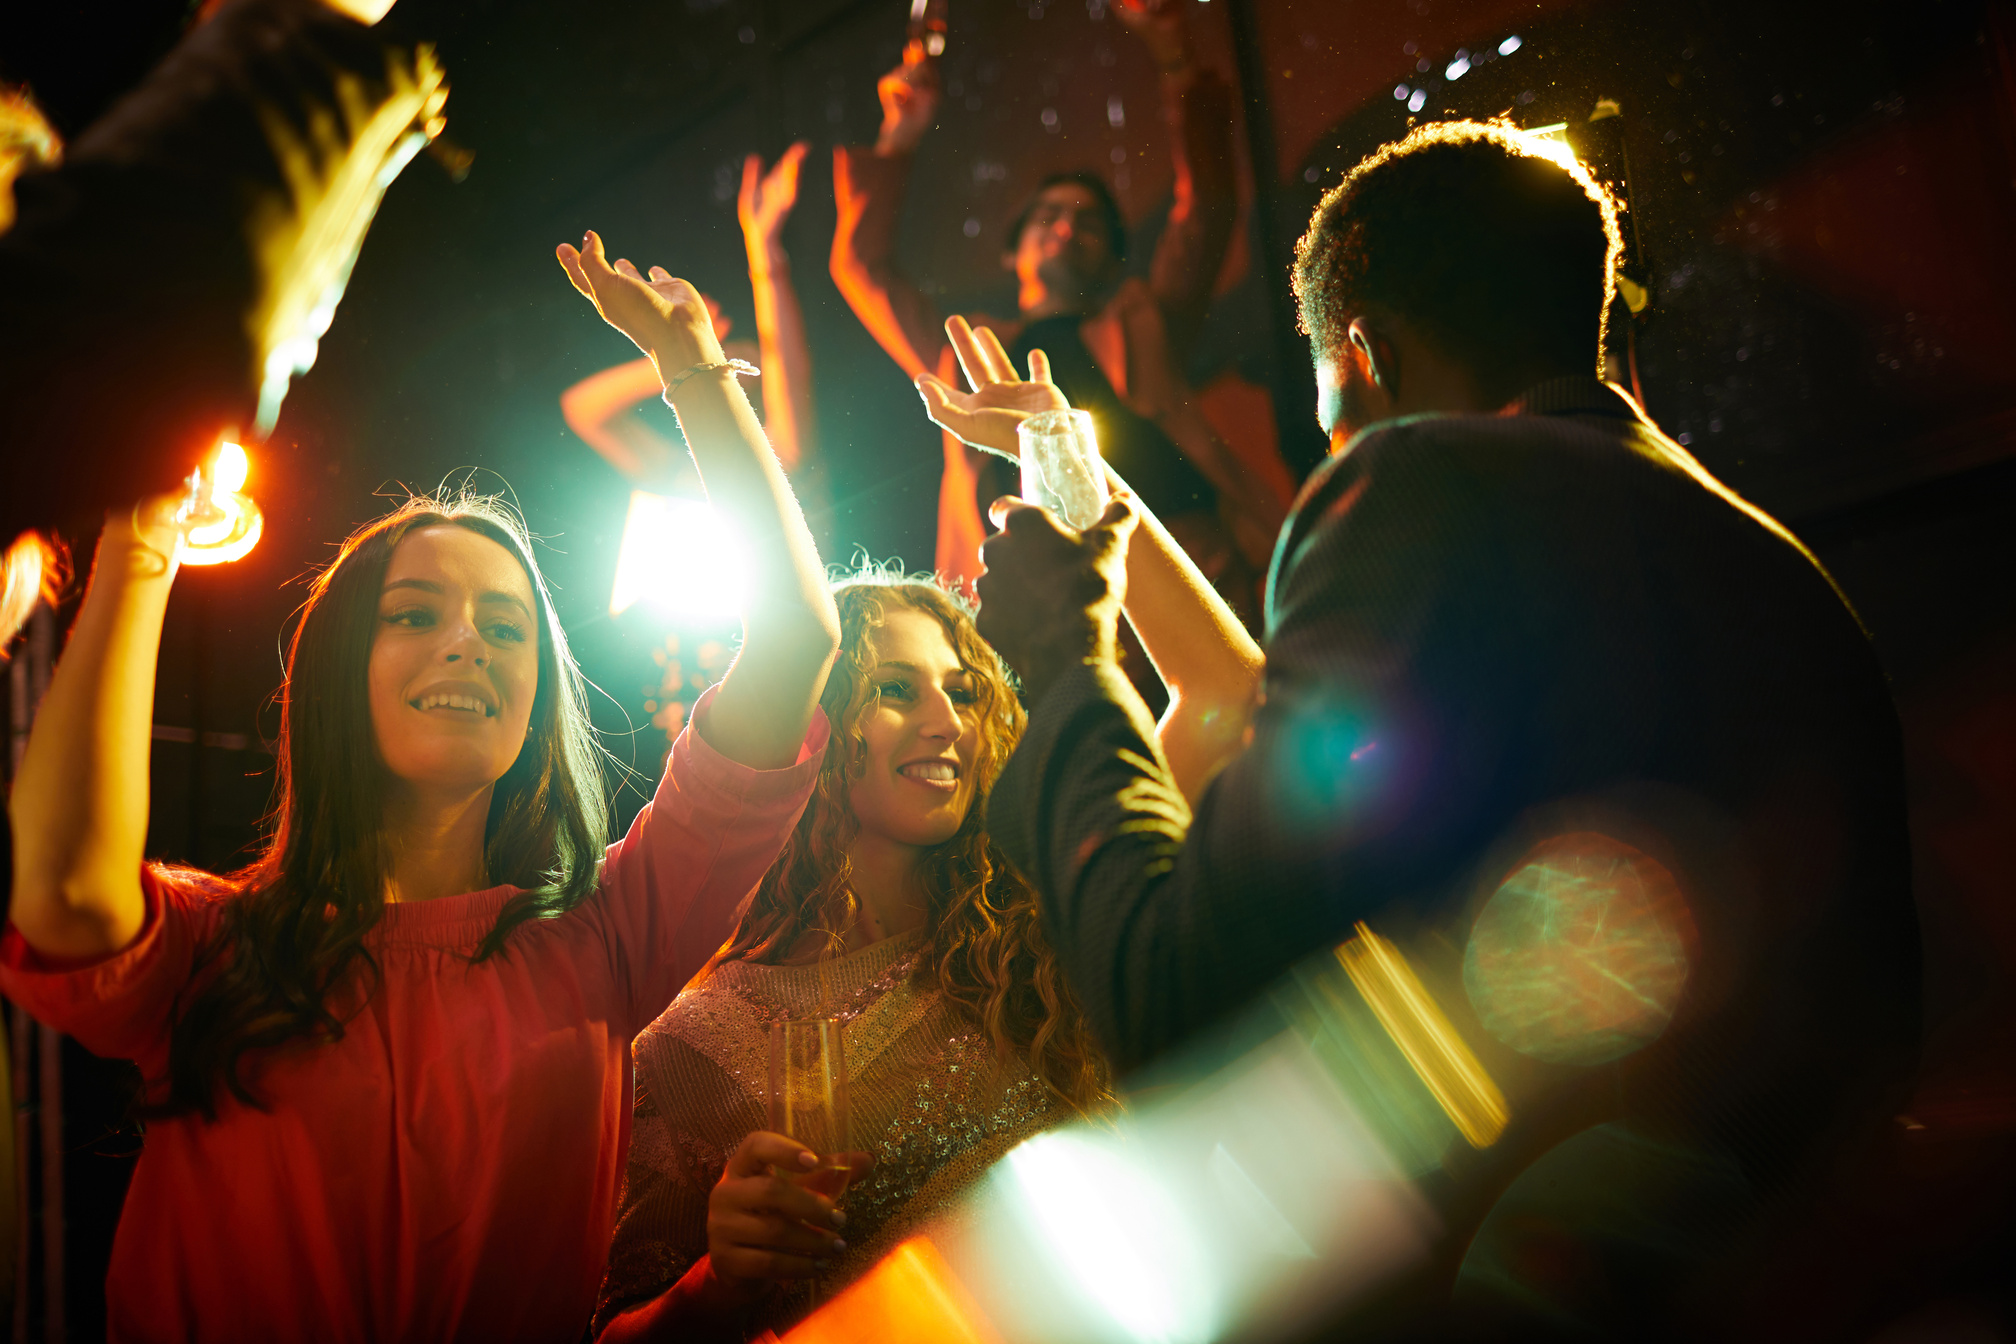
point(766, 198)
point(1162, 29)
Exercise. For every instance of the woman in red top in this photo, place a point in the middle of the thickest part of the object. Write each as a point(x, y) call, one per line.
point(390, 1060)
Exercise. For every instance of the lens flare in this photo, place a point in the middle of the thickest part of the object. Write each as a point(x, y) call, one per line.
point(1424, 1034)
point(681, 558)
point(1581, 955)
point(911, 1297)
point(1115, 1230)
point(232, 467)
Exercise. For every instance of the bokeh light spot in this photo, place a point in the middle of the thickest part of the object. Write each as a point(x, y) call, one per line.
point(1582, 953)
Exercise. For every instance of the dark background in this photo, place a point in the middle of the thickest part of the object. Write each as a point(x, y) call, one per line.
point(1823, 200)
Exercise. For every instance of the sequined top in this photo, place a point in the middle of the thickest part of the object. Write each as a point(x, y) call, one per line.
point(927, 1094)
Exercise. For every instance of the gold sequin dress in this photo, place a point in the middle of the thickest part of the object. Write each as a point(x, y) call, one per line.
point(927, 1095)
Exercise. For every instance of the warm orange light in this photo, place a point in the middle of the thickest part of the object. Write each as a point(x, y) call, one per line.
point(219, 524)
point(911, 1297)
point(231, 468)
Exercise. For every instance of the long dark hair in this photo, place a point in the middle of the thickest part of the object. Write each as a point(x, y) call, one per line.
point(290, 959)
point(987, 954)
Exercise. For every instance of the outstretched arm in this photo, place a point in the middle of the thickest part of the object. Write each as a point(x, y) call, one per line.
point(1198, 106)
point(601, 408)
point(765, 203)
point(868, 188)
point(1203, 654)
point(790, 628)
point(79, 805)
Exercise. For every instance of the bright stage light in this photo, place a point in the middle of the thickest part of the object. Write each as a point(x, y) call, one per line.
point(681, 558)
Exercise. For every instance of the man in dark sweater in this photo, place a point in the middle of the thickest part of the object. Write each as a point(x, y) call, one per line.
point(1597, 743)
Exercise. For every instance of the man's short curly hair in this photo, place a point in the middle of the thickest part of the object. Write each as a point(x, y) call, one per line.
point(1497, 247)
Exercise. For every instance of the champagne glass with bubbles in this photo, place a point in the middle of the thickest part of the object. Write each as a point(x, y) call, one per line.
point(808, 1097)
point(1061, 468)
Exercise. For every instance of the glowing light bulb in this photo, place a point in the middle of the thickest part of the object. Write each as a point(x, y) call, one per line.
point(219, 524)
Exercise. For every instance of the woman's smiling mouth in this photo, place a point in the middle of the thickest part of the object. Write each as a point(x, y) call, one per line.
point(940, 775)
point(455, 702)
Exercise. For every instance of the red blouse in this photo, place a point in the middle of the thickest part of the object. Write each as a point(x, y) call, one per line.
point(449, 1169)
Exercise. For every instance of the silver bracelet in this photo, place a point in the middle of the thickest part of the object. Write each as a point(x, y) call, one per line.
point(741, 368)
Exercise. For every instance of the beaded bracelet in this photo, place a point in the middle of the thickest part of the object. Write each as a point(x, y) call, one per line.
point(741, 368)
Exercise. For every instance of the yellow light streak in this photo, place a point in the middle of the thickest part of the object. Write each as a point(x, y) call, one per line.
point(1425, 1036)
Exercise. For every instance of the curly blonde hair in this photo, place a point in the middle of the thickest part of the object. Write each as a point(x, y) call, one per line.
point(987, 953)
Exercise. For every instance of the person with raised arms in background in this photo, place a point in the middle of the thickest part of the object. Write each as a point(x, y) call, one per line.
point(1117, 346)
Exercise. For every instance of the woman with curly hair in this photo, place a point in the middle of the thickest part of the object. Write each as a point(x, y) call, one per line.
point(892, 910)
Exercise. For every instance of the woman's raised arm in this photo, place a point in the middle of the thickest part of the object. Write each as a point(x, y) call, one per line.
point(790, 629)
point(1209, 662)
point(79, 805)
point(601, 409)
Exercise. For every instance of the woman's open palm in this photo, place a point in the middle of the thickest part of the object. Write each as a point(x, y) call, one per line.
point(663, 315)
point(1000, 401)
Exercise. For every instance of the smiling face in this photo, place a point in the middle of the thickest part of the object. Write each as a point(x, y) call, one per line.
point(918, 734)
point(455, 660)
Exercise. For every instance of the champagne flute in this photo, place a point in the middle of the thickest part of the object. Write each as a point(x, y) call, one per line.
point(1061, 469)
point(808, 1097)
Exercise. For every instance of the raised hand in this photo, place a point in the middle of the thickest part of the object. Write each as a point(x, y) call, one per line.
point(987, 416)
point(765, 200)
point(1161, 27)
point(665, 317)
point(909, 95)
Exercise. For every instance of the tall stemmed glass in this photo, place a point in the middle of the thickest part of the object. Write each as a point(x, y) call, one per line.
point(808, 1097)
point(808, 1102)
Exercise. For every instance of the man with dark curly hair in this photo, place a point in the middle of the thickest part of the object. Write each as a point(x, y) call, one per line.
point(1550, 712)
